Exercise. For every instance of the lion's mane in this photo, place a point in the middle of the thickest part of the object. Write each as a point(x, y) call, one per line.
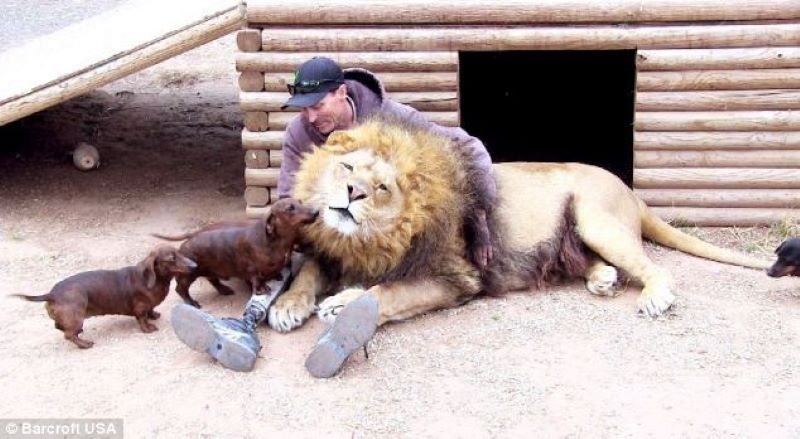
point(427, 238)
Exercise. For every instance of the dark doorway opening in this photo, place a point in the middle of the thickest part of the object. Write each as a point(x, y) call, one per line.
point(552, 106)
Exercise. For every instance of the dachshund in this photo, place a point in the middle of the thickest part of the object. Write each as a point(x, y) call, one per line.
point(788, 263)
point(131, 291)
point(254, 251)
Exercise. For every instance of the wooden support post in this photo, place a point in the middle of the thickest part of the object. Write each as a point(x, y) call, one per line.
point(256, 196)
point(257, 159)
point(256, 121)
point(249, 40)
point(251, 81)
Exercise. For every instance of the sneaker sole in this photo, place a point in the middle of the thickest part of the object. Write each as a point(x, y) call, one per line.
point(351, 330)
point(193, 328)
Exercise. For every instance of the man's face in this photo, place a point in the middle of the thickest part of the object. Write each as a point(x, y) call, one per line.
point(331, 113)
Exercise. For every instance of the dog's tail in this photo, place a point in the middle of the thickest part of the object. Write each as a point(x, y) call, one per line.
point(174, 238)
point(42, 298)
point(658, 230)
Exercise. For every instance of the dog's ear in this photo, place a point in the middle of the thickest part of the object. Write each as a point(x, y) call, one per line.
point(780, 247)
point(269, 228)
point(148, 270)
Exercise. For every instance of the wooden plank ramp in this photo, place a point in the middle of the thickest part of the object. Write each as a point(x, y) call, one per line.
point(79, 58)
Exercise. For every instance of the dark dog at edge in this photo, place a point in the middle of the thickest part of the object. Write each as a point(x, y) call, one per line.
point(254, 251)
point(131, 291)
point(788, 263)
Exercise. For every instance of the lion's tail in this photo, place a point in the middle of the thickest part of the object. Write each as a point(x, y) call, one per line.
point(658, 230)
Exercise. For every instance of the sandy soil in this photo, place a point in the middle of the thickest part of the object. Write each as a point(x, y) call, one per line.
point(552, 363)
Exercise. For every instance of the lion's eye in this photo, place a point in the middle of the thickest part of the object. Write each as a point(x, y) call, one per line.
point(383, 187)
point(347, 166)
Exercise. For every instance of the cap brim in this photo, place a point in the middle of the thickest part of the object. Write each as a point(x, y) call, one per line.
point(303, 100)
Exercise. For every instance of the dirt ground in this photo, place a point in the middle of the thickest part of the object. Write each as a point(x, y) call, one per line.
point(553, 363)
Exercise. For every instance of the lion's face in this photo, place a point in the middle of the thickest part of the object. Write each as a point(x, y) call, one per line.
point(357, 193)
point(379, 187)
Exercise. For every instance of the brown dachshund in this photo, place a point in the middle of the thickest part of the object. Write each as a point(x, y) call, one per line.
point(788, 263)
point(131, 291)
point(254, 251)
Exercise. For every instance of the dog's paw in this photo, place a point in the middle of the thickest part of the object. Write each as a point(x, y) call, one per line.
point(602, 281)
point(290, 311)
point(653, 302)
point(148, 327)
point(192, 302)
point(330, 307)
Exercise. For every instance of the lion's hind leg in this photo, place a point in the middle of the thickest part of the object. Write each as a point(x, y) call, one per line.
point(403, 300)
point(601, 278)
point(620, 246)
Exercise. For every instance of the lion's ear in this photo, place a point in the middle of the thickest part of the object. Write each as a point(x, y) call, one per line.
point(340, 140)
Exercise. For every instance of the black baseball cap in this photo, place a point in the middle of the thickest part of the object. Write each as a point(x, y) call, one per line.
point(312, 81)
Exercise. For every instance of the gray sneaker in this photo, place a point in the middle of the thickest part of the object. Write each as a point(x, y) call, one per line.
point(351, 330)
point(230, 341)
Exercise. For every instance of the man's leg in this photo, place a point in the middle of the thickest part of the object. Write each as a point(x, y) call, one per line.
point(233, 342)
point(351, 330)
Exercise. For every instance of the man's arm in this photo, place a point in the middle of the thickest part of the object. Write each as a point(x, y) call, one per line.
point(483, 179)
point(290, 163)
point(481, 160)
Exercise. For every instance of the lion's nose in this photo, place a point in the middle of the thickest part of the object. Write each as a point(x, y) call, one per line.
point(355, 193)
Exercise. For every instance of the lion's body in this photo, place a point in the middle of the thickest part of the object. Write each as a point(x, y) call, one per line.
point(405, 243)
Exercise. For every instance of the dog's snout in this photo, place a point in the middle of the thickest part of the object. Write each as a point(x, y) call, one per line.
point(771, 272)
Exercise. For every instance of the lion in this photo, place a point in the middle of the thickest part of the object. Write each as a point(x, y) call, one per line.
point(395, 200)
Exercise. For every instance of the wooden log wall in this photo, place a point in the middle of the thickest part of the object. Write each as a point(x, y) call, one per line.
point(717, 125)
point(717, 138)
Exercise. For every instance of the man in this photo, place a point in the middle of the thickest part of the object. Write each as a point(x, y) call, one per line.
point(329, 99)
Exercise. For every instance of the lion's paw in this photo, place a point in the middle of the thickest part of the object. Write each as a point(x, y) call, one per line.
point(653, 302)
point(330, 307)
point(602, 282)
point(289, 312)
